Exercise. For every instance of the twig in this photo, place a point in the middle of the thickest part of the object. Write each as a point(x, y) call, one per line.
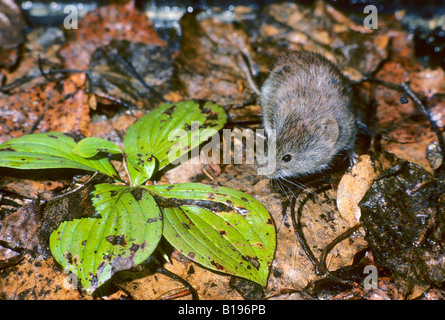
point(11, 261)
point(345, 235)
point(17, 83)
point(296, 223)
point(426, 112)
point(243, 63)
point(133, 72)
point(75, 190)
point(170, 274)
point(174, 294)
point(319, 267)
point(405, 88)
point(43, 73)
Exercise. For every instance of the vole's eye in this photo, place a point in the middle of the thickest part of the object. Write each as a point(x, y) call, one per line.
point(287, 158)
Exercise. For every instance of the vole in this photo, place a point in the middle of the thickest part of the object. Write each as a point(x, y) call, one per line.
point(308, 114)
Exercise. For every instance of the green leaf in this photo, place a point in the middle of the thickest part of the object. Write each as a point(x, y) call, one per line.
point(172, 130)
point(127, 230)
point(91, 146)
point(221, 228)
point(140, 167)
point(49, 150)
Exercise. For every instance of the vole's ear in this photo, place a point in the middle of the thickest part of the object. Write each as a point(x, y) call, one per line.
point(330, 131)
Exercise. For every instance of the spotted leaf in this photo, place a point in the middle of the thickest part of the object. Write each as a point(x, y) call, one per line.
point(170, 131)
point(125, 231)
point(221, 228)
point(50, 150)
point(91, 146)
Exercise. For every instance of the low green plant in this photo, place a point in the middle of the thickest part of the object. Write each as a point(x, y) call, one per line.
point(220, 228)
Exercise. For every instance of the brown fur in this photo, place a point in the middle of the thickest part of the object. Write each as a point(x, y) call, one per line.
point(309, 103)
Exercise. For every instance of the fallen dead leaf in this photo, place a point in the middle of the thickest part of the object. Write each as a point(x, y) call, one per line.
point(56, 106)
point(428, 82)
point(352, 187)
point(98, 27)
point(43, 281)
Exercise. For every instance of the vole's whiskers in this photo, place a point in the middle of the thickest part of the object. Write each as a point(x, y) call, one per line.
point(302, 187)
point(283, 188)
point(293, 194)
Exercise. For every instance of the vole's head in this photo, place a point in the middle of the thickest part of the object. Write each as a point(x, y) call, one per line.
point(301, 149)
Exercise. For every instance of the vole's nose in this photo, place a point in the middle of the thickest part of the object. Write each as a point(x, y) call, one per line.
point(265, 167)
